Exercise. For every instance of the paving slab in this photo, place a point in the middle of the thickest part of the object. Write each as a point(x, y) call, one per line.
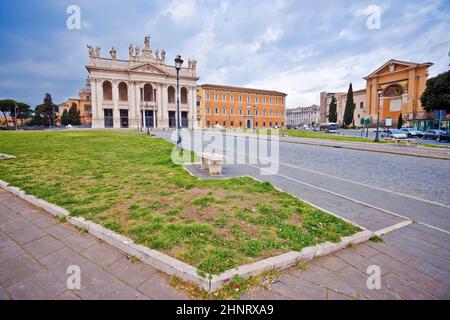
point(103, 254)
point(40, 285)
point(132, 273)
point(43, 246)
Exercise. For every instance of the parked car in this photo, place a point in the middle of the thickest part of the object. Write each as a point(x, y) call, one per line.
point(431, 134)
point(444, 136)
point(394, 134)
point(411, 132)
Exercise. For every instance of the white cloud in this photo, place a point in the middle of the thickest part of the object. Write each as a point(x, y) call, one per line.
point(180, 11)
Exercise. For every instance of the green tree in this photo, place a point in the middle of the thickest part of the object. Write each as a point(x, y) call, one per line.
point(47, 110)
point(7, 108)
point(65, 118)
point(400, 121)
point(349, 107)
point(436, 95)
point(74, 115)
point(23, 111)
point(332, 113)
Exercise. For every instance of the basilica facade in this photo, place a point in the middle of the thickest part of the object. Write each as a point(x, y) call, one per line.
point(140, 93)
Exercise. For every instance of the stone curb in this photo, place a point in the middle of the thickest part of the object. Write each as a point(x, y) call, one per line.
point(154, 258)
point(287, 260)
point(179, 268)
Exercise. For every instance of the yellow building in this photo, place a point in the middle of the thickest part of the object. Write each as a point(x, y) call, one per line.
point(83, 103)
point(401, 84)
point(238, 107)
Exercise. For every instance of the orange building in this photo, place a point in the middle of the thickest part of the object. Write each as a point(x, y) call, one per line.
point(83, 103)
point(237, 107)
point(401, 84)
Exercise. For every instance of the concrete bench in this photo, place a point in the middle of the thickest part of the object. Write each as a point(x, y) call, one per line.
point(408, 142)
point(213, 163)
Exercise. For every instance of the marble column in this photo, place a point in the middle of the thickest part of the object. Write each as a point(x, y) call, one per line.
point(132, 106)
point(137, 95)
point(100, 113)
point(94, 105)
point(115, 97)
point(164, 107)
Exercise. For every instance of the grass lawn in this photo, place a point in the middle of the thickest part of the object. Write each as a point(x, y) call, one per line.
point(128, 183)
point(322, 135)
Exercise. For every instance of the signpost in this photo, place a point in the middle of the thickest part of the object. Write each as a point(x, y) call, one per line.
point(365, 123)
point(440, 115)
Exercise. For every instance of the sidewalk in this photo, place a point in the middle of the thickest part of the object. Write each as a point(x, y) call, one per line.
point(36, 249)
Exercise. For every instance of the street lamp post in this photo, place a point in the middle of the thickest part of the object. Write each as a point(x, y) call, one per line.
point(377, 137)
point(15, 115)
point(178, 64)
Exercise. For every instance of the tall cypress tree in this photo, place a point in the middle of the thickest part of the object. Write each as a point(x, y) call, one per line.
point(400, 121)
point(65, 118)
point(74, 115)
point(332, 112)
point(349, 107)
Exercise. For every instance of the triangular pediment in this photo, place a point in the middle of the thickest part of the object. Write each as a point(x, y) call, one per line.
point(148, 68)
point(393, 66)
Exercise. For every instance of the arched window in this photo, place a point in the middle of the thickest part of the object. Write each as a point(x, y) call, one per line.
point(123, 91)
point(107, 90)
point(148, 92)
point(393, 91)
point(171, 94)
point(183, 95)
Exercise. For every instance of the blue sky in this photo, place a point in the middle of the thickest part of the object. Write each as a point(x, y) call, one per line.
point(298, 47)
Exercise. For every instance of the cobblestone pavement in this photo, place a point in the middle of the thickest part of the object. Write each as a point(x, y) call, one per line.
point(36, 250)
point(414, 264)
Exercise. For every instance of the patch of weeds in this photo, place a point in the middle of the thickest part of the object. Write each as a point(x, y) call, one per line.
point(302, 265)
point(233, 290)
point(376, 239)
point(351, 245)
point(81, 230)
point(221, 222)
point(113, 226)
point(204, 202)
point(175, 212)
point(62, 219)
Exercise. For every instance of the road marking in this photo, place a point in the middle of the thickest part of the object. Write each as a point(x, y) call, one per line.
point(366, 185)
point(345, 197)
point(393, 227)
point(354, 200)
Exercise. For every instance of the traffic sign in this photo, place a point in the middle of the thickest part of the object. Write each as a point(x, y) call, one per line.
point(440, 114)
point(367, 122)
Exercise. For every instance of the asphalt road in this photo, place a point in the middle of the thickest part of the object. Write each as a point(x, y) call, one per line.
point(375, 190)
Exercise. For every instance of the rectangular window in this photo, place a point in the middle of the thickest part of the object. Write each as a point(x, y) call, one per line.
point(208, 111)
point(240, 98)
point(216, 110)
point(248, 99)
point(224, 123)
point(361, 105)
point(224, 97)
point(232, 123)
point(231, 111)
point(231, 97)
point(208, 123)
point(216, 96)
point(207, 96)
point(224, 111)
point(256, 99)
